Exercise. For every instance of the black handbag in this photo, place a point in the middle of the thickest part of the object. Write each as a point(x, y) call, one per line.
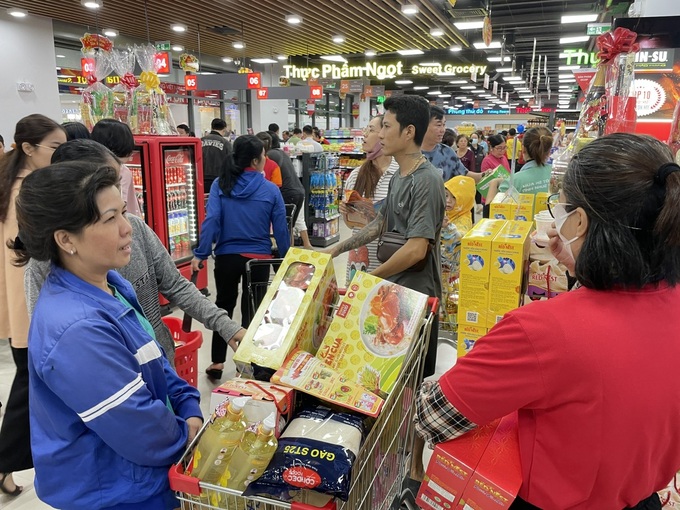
point(390, 242)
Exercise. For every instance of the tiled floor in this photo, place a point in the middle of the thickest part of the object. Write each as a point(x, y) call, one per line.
point(28, 500)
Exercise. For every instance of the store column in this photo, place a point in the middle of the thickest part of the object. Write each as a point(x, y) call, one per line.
point(29, 64)
point(268, 111)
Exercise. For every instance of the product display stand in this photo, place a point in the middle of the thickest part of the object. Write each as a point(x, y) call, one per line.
point(322, 191)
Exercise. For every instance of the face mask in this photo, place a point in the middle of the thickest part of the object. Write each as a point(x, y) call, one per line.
point(561, 216)
point(474, 141)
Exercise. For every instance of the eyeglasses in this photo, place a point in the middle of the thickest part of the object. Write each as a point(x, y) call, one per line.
point(554, 201)
point(499, 147)
point(368, 131)
point(46, 147)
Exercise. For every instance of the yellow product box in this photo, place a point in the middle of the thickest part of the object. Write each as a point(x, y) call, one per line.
point(541, 202)
point(475, 261)
point(525, 211)
point(507, 277)
point(467, 336)
point(295, 312)
point(372, 332)
point(502, 207)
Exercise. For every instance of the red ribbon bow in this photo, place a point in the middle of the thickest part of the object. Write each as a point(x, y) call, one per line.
point(129, 80)
point(612, 44)
point(91, 79)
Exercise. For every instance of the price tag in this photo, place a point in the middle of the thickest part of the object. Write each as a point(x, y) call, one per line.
point(316, 92)
point(190, 82)
point(87, 66)
point(263, 93)
point(254, 80)
point(162, 62)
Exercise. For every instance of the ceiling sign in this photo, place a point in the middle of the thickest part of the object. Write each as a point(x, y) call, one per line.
point(584, 77)
point(380, 71)
point(356, 87)
point(162, 62)
point(316, 92)
point(190, 82)
point(598, 28)
point(263, 93)
point(254, 80)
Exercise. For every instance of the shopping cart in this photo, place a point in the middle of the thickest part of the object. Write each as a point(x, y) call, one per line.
point(381, 468)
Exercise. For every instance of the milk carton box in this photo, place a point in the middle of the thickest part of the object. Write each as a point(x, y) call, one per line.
point(467, 336)
point(507, 274)
point(502, 207)
point(525, 210)
point(541, 202)
point(475, 261)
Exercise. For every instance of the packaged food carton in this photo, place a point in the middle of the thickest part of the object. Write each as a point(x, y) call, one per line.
point(309, 374)
point(496, 173)
point(505, 207)
point(525, 211)
point(547, 277)
point(372, 331)
point(451, 467)
point(498, 476)
point(510, 255)
point(295, 312)
point(265, 398)
point(541, 202)
point(467, 336)
point(475, 261)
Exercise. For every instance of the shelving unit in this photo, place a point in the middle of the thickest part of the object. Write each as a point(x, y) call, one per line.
point(322, 189)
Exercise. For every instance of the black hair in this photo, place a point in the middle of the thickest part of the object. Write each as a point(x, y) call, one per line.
point(246, 149)
point(115, 136)
point(266, 140)
point(437, 112)
point(32, 129)
point(410, 111)
point(495, 140)
point(276, 142)
point(504, 133)
point(297, 131)
point(537, 143)
point(184, 127)
point(2, 140)
point(512, 131)
point(218, 125)
point(273, 127)
point(84, 149)
point(633, 235)
point(58, 197)
point(308, 130)
point(75, 130)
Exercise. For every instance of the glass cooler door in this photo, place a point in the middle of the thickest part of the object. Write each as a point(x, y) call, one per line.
point(139, 165)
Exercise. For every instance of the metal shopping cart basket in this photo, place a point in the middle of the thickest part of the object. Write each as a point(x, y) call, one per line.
point(380, 470)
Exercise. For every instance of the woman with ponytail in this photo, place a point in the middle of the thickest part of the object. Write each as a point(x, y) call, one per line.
point(36, 138)
point(241, 208)
point(591, 374)
point(371, 180)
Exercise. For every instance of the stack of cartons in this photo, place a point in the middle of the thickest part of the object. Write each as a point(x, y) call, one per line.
point(504, 207)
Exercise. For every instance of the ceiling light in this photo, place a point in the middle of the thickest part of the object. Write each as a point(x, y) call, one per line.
point(227, 59)
point(498, 59)
point(334, 58)
point(579, 18)
point(239, 45)
point(263, 60)
point(403, 82)
point(458, 82)
point(504, 69)
point(469, 25)
point(565, 76)
point(455, 48)
point(429, 64)
point(282, 57)
point(495, 45)
point(457, 105)
point(178, 48)
point(565, 96)
point(468, 87)
point(110, 32)
point(421, 87)
point(434, 93)
point(407, 53)
point(61, 56)
point(462, 98)
point(370, 53)
point(568, 68)
point(409, 9)
point(338, 39)
point(17, 13)
point(294, 19)
point(565, 87)
point(574, 39)
point(207, 72)
point(92, 4)
point(513, 78)
point(436, 32)
point(179, 27)
point(567, 80)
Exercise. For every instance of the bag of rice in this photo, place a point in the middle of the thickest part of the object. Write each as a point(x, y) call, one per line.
point(316, 452)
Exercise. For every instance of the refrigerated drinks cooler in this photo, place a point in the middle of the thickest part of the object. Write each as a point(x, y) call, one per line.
point(168, 178)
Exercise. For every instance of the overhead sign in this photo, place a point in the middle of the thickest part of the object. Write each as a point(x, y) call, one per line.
point(190, 82)
point(598, 28)
point(316, 92)
point(162, 45)
point(254, 80)
point(162, 62)
point(657, 59)
point(263, 93)
point(380, 71)
point(87, 66)
point(477, 111)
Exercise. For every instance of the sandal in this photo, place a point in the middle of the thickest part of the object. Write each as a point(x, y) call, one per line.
point(17, 489)
point(214, 373)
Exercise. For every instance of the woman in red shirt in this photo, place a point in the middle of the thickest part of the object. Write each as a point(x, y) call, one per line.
point(593, 372)
point(496, 156)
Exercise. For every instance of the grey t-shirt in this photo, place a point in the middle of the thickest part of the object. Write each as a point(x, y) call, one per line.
point(415, 207)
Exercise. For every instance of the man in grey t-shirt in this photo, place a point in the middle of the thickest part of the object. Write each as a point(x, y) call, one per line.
point(414, 206)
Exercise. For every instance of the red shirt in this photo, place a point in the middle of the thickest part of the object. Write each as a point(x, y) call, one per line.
point(595, 378)
point(272, 172)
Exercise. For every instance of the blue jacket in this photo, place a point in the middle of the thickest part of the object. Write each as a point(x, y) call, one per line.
point(101, 430)
point(240, 223)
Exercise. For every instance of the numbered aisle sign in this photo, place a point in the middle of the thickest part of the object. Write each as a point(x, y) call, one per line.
point(162, 62)
point(190, 82)
point(87, 66)
point(263, 93)
point(316, 92)
point(254, 80)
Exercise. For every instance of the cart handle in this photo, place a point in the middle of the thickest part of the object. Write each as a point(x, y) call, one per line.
point(179, 482)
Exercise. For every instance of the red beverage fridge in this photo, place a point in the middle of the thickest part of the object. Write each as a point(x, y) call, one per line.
point(168, 177)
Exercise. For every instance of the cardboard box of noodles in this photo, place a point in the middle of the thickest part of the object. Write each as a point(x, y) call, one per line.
point(467, 336)
point(475, 261)
point(295, 312)
point(372, 331)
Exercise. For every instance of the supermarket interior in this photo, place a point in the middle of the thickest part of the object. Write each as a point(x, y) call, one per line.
point(445, 198)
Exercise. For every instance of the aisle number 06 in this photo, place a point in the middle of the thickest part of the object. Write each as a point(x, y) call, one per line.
point(254, 80)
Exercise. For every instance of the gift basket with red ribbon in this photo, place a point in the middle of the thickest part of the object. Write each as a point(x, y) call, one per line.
point(97, 99)
point(123, 63)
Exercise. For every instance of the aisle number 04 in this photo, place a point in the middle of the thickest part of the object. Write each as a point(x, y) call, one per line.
point(254, 80)
point(190, 82)
point(162, 62)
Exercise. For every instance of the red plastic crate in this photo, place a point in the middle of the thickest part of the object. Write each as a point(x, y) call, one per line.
point(186, 353)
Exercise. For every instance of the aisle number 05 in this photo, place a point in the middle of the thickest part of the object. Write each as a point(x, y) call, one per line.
point(254, 80)
point(190, 82)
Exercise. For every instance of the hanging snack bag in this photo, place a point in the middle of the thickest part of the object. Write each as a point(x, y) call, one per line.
point(123, 63)
point(97, 99)
point(150, 113)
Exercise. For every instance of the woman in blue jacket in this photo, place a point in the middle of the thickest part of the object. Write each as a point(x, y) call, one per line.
point(108, 413)
point(242, 207)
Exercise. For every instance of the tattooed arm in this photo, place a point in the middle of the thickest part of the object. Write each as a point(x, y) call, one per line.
point(367, 234)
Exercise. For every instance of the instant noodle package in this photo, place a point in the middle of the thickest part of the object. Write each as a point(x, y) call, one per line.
point(372, 332)
point(295, 312)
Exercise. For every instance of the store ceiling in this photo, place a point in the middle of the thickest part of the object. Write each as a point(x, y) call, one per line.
point(375, 24)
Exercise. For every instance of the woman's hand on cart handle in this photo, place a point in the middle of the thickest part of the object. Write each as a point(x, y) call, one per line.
point(196, 264)
point(235, 340)
point(194, 424)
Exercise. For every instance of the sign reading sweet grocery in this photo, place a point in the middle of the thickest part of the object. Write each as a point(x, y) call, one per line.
point(380, 71)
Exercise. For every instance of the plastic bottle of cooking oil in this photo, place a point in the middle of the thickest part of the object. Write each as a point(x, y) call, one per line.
point(219, 442)
point(252, 456)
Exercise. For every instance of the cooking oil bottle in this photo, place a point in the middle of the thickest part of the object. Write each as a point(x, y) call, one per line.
point(252, 456)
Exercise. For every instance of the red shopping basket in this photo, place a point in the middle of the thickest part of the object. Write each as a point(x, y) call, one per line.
point(186, 353)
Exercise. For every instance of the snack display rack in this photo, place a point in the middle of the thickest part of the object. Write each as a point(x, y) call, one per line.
point(380, 469)
point(322, 190)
